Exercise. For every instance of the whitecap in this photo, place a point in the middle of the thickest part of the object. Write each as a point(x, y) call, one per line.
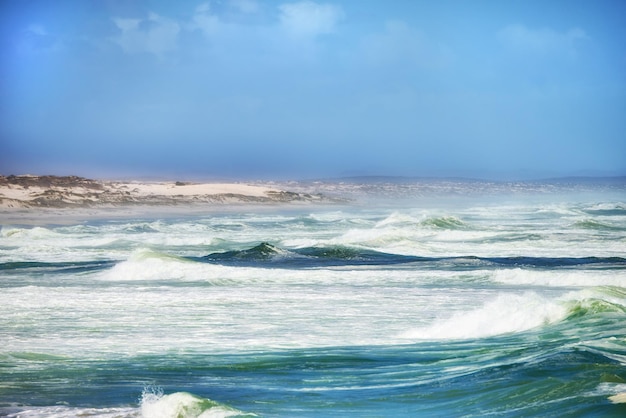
point(154, 404)
point(562, 278)
point(504, 314)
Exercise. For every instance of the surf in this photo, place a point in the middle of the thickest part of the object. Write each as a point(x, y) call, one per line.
point(468, 306)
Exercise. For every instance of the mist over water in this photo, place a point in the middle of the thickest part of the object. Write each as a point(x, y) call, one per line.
point(438, 301)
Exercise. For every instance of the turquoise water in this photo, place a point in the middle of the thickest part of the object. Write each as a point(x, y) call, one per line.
point(500, 306)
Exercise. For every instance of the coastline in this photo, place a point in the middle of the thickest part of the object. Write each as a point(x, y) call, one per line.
point(39, 200)
point(45, 200)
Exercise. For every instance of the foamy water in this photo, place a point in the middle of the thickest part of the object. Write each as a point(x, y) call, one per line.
point(358, 310)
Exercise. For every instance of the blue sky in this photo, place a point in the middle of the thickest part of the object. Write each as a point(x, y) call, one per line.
point(277, 89)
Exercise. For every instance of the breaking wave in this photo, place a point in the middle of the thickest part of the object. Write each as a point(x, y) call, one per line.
point(597, 225)
point(155, 404)
point(266, 254)
point(509, 313)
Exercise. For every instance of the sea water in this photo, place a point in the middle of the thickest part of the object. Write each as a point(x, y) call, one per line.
point(484, 303)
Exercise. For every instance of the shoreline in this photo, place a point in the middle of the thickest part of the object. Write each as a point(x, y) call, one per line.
point(41, 200)
point(45, 200)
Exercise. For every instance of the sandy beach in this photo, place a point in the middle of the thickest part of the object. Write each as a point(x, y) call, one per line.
point(39, 199)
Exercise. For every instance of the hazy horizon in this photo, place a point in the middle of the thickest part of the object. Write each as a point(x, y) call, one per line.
point(247, 89)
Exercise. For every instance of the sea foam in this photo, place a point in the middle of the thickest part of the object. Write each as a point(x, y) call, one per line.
point(154, 404)
point(560, 278)
point(506, 313)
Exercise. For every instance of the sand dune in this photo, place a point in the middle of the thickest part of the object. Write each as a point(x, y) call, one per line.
point(20, 192)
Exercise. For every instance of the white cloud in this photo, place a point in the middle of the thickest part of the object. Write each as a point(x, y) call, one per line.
point(204, 8)
point(211, 23)
point(205, 21)
point(226, 28)
point(309, 19)
point(126, 25)
point(401, 45)
point(36, 39)
point(545, 40)
point(245, 6)
point(156, 35)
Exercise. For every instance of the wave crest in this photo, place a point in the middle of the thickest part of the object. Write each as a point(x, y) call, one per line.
point(506, 313)
point(509, 313)
point(154, 404)
point(596, 225)
point(334, 255)
point(444, 222)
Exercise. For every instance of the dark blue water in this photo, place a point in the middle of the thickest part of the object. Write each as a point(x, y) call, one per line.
point(513, 309)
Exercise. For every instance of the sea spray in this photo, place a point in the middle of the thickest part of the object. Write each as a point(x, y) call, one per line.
point(156, 404)
point(469, 307)
point(504, 314)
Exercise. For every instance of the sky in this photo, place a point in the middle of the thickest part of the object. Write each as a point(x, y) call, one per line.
point(252, 89)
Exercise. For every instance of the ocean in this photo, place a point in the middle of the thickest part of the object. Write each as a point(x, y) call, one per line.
point(429, 299)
